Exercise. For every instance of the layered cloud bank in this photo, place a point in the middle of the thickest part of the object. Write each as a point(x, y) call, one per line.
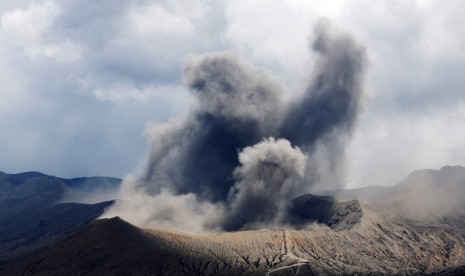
point(245, 150)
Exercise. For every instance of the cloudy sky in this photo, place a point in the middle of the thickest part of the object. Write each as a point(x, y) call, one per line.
point(81, 80)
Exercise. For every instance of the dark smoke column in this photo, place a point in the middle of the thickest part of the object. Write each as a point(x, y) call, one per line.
point(326, 114)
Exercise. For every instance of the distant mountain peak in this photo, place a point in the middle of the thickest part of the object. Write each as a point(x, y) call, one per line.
point(28, 174)
point(453, 168)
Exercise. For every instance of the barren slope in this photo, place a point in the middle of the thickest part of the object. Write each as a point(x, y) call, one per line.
point(114, 247)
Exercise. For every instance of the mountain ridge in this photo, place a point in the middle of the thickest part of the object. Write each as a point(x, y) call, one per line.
point(378, 245)
point(35, 208)
point(415, 227)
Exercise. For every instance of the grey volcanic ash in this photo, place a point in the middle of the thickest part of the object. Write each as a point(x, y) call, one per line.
point(245, 151)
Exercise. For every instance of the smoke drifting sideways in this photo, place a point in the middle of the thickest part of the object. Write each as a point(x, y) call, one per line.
point(244, 151)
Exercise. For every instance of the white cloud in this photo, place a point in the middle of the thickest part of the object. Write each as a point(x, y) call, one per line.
point(63, 53)
point(29, 24)
point(329, 9)
point(153, 20)
point(387, 149)
point(269, 32)
point(27, 29)
point(123, 93)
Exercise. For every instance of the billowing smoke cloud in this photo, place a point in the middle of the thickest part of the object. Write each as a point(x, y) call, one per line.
point(165, 209)
point(217, 156)
point(267, 178)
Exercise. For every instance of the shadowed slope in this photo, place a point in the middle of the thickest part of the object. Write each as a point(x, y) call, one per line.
point(38, 227)
point(32, 211)
point(115, 247)
point(377, 245)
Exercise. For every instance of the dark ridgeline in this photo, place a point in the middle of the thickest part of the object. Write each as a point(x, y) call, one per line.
point(32, 211)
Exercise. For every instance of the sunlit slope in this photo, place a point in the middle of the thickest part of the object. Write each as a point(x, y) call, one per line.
point(113, 246)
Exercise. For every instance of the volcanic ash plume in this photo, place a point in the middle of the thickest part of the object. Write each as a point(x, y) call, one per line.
point(238, 104)
point(216, 162)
